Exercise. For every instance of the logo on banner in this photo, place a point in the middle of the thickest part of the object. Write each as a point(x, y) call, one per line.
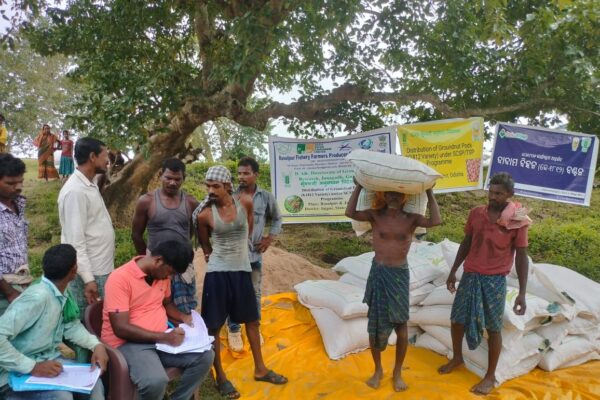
point(503, 133)
point(283, 149)
point(345, 146)
point(366, 144)
point(585, 144)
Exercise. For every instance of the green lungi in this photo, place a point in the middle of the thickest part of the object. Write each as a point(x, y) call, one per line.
point(479, 303)
point(387, 297)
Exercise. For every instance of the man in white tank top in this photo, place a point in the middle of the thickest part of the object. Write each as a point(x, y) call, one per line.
point(228, 289)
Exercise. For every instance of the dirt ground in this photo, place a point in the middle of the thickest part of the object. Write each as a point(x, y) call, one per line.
point(281, 271)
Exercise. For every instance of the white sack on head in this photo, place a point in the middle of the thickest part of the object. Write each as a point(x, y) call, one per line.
point(383, 172)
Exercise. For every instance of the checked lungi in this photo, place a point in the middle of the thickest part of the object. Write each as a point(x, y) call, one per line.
point(387, 297)
point(479, 303)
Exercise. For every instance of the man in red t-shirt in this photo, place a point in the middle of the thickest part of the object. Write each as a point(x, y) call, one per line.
point(488, 250)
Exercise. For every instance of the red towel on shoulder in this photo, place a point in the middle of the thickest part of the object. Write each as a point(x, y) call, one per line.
point(514, 216)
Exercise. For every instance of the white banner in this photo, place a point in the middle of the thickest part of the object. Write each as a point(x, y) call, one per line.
point(311, 179)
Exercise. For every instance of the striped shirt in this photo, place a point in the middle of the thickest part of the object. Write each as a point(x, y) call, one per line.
point(13, 237)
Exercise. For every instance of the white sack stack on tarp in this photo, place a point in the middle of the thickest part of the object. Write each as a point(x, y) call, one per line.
point(559, 329)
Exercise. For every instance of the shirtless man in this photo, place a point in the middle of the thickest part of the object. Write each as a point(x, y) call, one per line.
point(388, 282)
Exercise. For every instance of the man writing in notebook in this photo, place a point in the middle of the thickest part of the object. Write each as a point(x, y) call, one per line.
point(36, 322)
point(136, 312)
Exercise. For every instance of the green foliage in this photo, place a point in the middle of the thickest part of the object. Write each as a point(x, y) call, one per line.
point(146, 63)
point(195, 173)
point(334, 249)
point(42, 213)
point(574, 245)
point(35, 91)
point(124, 248)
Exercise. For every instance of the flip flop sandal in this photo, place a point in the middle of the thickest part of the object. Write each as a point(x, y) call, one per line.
point(272, 377)
point(226, 389)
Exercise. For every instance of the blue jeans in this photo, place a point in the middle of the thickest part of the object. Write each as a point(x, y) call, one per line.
point(147, 370)
point(256, 276)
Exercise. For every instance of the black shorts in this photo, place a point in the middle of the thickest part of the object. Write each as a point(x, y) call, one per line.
point(228, 294)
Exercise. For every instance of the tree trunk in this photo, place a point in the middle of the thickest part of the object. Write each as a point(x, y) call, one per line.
point(121, 194)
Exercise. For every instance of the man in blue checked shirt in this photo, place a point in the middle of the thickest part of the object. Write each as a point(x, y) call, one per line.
point(265, 207)
point(14, 273)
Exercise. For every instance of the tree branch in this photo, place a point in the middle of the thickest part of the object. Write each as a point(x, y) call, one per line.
point(315, 109)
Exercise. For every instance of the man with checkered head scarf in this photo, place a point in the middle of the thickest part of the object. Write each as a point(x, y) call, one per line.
point(228, 289)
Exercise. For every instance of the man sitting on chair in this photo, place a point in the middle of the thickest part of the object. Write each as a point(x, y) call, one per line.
point(137, 308)
point(36, 322)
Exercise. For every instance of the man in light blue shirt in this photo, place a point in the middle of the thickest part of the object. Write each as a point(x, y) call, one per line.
point(265, 207)
point(35, 324)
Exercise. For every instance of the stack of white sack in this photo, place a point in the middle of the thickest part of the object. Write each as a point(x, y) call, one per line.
point(389, 172)
point(337, 306)
point(559, 328)
point(576, 340)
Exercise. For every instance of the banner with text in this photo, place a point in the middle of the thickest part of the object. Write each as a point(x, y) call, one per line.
point(452, 147)
point(311, 179)
point(546, 164)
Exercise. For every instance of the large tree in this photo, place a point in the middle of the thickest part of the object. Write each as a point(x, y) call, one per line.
point(158, 69)
point(34, 90)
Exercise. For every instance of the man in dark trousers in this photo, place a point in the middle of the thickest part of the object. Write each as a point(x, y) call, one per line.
point(228, 289)
point(265, 207)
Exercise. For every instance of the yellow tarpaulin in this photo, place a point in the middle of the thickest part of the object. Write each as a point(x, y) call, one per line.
point(293, 347)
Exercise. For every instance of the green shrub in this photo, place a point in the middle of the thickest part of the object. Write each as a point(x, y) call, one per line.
point(341, 226)
point(334, 249)
point(197, 171)
point(124, 248)
point(573, 245)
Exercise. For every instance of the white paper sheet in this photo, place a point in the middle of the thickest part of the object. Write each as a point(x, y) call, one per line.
point(73, 376)
point(196, 338)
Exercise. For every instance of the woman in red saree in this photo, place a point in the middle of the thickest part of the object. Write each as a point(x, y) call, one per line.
point(46, 143)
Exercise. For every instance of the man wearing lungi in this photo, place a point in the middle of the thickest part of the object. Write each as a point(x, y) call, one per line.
point(388, 282)
point(491, 240)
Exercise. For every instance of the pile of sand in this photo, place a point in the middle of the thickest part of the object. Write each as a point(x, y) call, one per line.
point(281, 271)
